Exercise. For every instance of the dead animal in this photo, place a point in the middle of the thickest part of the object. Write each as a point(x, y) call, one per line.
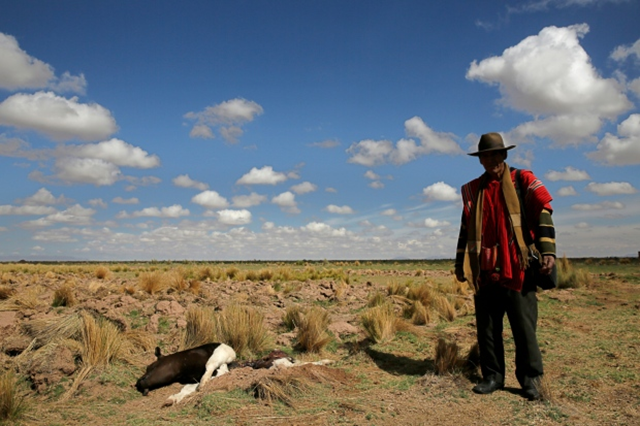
point(192, 367)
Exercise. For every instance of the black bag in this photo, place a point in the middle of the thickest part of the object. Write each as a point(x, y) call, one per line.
point(532, 273)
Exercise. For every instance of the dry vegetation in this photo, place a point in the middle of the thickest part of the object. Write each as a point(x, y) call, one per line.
point(75, 337)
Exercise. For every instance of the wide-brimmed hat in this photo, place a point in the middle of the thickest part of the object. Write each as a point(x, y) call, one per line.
point(491, 142)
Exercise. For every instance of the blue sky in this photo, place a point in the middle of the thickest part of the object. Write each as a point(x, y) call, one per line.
point(285, 130)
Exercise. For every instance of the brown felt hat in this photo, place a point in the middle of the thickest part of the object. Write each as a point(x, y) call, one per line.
point(491, 142)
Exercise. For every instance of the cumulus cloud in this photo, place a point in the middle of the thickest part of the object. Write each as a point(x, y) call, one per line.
point(43, 197)
point(120, 200)
point(18, 70)
point(551, 77)
point(234, 217)
point(623, 52)
point(287, 202)
point(611, 188)
point(332, 208)
point(184, 181)
point(173, 211)
point(8, 210)
point(87, 170)
point(567, 191)
point(569, 174)
point(211, 200)
point(263, 176)
point(117, 152)
point(389, 212)
point(434, 223)
point(622, 149)
point(253, 199)
point(57, 117)
point(371, 153)
point(227, 117)
point(74, 215)
point(606, 205)
point(304, 188)
point(440, 191)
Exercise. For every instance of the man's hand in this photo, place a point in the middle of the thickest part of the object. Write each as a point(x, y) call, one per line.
point(460, 274)
point(547, 264)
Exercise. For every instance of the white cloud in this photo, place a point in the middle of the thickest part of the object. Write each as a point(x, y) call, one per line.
point(117, 152)
point(184, 181)
point(370, 174)
point(582, 225)
point(263, 176)
point(98, 202)
point(567, 191)
point(623, 149)
point(434, 223)
point(304, 188)
point(440, 191)
point(611, 188)
point(621, 53)
point(376, 185)
point(234, 217)
point(550, 77)
point(569, 174)
point(57, 117)
point(210, 200)
point(18, 70)
point(332, 208)
point(606, 205)
point(74, 215)
point(87, 170)
point(120, 200)
point(43, 197)
point(173, 211)
point(7, 210)
point(227, 116)
point(373, 153)
point(253, 199)
point(287, 202)
point(389, 212)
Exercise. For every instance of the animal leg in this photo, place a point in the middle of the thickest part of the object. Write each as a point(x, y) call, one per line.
point(184, 392)
point(223, 354)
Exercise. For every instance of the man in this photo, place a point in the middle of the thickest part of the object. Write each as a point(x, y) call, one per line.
point(493, 254)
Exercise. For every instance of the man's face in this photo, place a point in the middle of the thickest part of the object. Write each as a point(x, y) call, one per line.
point(493, 162)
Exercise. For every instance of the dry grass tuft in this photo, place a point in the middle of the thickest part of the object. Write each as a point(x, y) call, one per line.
point(243, 329)
point(293, 316)
point(64, 296)
point(12, 401)
point(202, 327)
point(46, 330)
point(195, 287)
point(397, 289)
point(446, 357)
point(152, 282)
point(102, 272)
point(570, 277)
point(544, 387)
point(6, 292)
point(376, 299)
point(379, 322)
point(443, 307)
point(101, 340)
point(417, 313)
point(274, 388)
point(177, 279)
point(312, 330)
point(422, 293)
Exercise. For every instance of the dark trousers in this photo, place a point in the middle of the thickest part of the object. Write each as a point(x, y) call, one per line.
point(492, 301)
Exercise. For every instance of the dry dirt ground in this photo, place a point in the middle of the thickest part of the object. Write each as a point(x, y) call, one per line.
point(590, 338)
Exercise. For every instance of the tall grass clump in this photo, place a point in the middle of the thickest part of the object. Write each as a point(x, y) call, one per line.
point(292, 317)
point(12, 402)
point(101, 272)
point(202, 327)
point(312, 330)
point(64, 296)
point(152, 282)
point(6, 292)
point(379, 322)
point(417, 313)
point(243, 329)
point(570, 277)
point(446, 359)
